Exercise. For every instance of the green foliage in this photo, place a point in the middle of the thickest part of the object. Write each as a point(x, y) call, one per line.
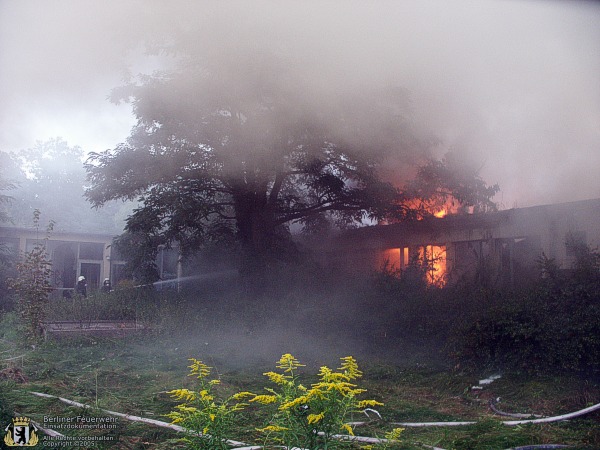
point(7, 401)
point(139, 251)
point(7, 271)
point(131, 374)
point(122, 303)
point(300, 417)
point(586, 267)
point(489, 433)
point(32, 284)
point(312, 417)
point(551, 326)
point(209, 419)
point(451, 180)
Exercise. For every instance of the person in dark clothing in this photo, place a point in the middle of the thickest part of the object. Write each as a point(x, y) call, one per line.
point(106, 286)
point(81, 287)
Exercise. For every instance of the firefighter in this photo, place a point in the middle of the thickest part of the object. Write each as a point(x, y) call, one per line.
point(81, 287)
point(106, 286)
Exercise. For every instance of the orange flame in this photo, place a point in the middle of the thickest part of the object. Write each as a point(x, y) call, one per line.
point(396, 260)
point(435, 257)
point(441, 213)
point(434, 208)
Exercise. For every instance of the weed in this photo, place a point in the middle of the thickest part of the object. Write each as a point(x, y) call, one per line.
point(209, 419)
point(310, 417)
point(32, 285)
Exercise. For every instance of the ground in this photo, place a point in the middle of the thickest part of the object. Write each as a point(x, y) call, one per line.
point(132, 375)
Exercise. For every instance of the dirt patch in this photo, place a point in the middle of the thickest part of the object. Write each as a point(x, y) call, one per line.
point(13, 374)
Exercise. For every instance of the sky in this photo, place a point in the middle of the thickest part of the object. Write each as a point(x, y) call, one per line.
point(511, 85)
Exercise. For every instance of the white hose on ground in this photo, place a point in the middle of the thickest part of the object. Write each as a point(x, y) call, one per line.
point(182, 429)
point(132, 418)
point(243, 446)
point(568, 416)
point(515, 415)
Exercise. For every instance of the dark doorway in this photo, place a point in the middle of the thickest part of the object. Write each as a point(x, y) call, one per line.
point(64, 265)
point(91, 272)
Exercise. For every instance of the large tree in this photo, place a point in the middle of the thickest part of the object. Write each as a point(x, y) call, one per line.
point(235, 145)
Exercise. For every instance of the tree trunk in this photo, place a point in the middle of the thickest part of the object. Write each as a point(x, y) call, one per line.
point(255, 230)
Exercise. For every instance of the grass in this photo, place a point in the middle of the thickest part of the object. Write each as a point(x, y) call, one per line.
point(132, 374)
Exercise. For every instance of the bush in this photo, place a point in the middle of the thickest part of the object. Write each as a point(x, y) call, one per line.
point(32, 286)
point(300, 417)
point(554, 325)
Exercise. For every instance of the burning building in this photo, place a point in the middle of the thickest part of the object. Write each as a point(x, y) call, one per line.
point(502, 247)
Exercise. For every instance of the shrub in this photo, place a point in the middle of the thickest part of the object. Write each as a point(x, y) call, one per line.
point(312, 417)
point(32, 285)
point(554, 325)
point(300, 417)
point(208, 419)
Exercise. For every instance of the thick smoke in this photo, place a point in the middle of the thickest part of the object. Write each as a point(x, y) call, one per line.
point(510, 85)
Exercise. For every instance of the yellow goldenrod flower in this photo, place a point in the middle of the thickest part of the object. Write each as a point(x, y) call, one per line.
point(213, 382)
point(175, 417)
point(212, 417)
point(241, 395)
point(324, 371)
point(204, 395)
point(199, 368)
point(348, 428)
point(205, 430)
point(276, 378)
point(394, 434)
point(274, 428)
point(187, 409)
point(180, 394)
point(303, 399)
point(350, 367)
point(264, 399)
point(314, 418)
point(368, 404)
point(288, 363)
point(316, 393)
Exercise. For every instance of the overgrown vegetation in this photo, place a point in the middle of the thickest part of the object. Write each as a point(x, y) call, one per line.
point(32, 284)
point(298, 417)
point(133, 375)
point(210, 420)
point(401, 328)
point(553, 325)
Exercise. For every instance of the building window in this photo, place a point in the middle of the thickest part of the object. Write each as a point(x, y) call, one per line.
point(395, 259)
point(91, 250)
point(429, 258)
point(405, 255)
point(390, 259)
point(433, 258)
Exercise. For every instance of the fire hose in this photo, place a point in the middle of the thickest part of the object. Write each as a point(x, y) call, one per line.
point(359, 438)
